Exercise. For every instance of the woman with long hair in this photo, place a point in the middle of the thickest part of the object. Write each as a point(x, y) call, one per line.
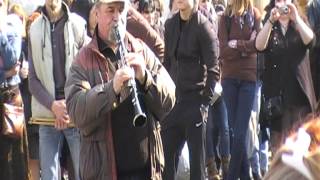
point(237, 32)
point(288, 90)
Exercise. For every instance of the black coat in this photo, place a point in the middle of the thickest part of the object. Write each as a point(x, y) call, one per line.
point(191, 55)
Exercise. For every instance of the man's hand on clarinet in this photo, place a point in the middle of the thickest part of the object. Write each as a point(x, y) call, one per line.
point(121, 76)
point(136, 61)
point(60, 111)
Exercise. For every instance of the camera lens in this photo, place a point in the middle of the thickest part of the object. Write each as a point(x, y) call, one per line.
point(283, 10)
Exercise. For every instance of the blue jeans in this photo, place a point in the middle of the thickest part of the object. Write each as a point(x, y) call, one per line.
point(255, 162)
point(254, 159)
point(218, 121)
point(50, 144)
point(264, 159)
point(239, 96)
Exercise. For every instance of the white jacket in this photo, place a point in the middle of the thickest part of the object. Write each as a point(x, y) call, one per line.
point(41, 47)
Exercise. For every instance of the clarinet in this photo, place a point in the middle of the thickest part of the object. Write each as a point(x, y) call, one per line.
point(140, 117)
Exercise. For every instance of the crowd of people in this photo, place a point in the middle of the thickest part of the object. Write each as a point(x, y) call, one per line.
point(114, 89)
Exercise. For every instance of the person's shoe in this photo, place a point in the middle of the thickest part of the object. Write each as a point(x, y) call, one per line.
point(225, 160)
point(213, 173)
point(256, 176)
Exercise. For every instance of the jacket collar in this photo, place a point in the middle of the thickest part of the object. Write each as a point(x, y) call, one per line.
point(93, 45)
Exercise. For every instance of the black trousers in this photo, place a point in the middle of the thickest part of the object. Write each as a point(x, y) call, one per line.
point(185, 123)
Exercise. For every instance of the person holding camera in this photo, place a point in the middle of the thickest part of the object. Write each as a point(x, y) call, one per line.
point(288, 89)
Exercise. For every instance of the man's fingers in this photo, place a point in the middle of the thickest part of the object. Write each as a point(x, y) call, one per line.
point(57, 124)
point(66, 119)
point(62, 103)
point(126, 74)
point(64, 125)
point(61, 124)
point(135, 59)
point(122, 75)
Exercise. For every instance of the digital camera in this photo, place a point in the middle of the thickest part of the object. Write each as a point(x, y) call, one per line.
point(283, 10)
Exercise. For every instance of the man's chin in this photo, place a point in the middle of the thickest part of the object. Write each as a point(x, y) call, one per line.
point(55, 9)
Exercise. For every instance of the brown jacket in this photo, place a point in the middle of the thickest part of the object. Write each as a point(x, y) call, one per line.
point(140, 28)
point(235, 65)
point(90, 98)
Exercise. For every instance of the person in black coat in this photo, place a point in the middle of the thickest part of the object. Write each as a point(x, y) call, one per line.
point(191, 57)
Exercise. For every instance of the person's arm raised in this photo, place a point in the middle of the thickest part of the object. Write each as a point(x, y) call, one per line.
point(304, 30)
point(264, 34)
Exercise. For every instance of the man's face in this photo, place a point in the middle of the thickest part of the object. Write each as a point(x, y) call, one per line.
point(185, 4)
point(108, 16)
point(53, 6)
